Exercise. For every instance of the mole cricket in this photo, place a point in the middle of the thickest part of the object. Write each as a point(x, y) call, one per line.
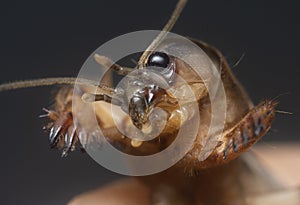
point(213, 165)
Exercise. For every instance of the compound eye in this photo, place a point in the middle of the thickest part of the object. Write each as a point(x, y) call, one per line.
point(158, 59)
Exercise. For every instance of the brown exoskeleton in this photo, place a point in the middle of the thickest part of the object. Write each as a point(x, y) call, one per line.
point(218, 178)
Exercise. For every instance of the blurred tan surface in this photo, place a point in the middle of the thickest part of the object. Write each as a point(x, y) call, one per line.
point(122, 192)
point(282, 160)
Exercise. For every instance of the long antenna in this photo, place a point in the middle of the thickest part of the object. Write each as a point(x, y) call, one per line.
point(48, 82)
point(176, 13)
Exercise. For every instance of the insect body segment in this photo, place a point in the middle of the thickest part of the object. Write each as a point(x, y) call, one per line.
point(247, 132)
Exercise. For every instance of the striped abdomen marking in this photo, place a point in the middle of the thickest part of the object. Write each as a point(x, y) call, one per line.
point(246, 133)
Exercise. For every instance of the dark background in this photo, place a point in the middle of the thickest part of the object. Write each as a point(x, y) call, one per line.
point(53, 38)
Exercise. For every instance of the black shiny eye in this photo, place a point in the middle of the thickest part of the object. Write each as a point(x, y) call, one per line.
point(158, 59)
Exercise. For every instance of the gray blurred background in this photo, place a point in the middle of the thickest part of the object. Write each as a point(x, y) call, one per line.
point(53, 38)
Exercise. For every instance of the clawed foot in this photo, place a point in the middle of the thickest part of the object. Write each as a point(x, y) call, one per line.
point(62, 132)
